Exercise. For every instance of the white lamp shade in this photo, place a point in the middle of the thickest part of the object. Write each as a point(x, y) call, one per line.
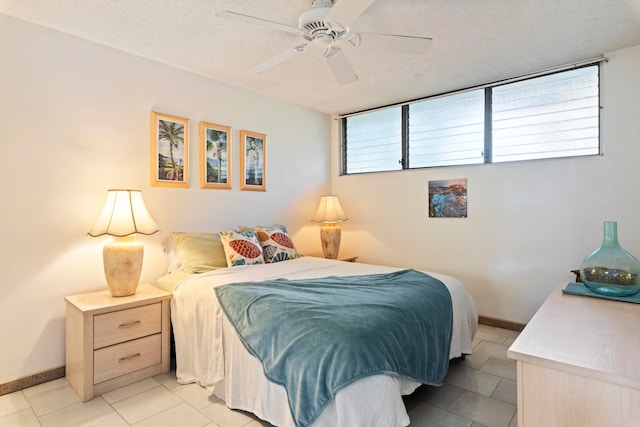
point(329, 210)
point(124, 214)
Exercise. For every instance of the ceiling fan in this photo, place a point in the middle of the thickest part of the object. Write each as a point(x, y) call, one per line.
point(326, 25)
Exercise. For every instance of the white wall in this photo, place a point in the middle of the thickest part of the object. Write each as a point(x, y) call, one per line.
point(529, 223)
point(75, 122)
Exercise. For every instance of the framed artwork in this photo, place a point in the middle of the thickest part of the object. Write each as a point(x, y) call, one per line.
point(169, 151)
point(253, 161)
point(215, 156)
point(448, 198)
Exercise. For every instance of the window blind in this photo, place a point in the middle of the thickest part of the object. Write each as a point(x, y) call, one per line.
point(447, 131)
point(375, 141)
point(545, 117)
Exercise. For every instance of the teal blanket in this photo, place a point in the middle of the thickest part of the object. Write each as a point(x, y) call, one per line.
point(316, 336)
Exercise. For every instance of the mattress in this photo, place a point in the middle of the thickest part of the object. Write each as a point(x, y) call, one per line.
point(209, 352)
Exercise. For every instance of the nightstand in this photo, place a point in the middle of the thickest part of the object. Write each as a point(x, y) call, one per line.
point(115, 341)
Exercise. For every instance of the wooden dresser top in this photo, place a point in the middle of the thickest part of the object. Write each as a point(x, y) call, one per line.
point(593, 337)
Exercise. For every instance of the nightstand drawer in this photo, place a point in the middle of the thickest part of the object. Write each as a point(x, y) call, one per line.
point(125, 325)
point(121, 359)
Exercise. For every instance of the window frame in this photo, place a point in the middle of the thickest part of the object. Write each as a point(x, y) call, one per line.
point(488, 125)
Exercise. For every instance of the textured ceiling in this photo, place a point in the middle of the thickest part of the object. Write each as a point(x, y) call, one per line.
point(474, 42)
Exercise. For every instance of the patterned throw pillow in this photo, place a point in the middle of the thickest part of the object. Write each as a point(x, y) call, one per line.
point(241, 248)
point(276, 244)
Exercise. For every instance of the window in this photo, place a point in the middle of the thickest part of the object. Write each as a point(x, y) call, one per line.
point(550, 116)
point(448, 130)
point(375, 141)
point(553, 115)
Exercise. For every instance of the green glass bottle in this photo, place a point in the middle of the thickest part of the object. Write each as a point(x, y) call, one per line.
point(610, 270)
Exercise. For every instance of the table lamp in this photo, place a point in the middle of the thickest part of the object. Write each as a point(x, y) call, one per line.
point(330, 212)
point(124, 214)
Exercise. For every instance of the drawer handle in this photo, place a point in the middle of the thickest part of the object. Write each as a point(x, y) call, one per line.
point(128, 358)
point(129, 325)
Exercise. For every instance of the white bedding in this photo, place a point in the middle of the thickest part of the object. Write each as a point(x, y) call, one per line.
point(209, 352)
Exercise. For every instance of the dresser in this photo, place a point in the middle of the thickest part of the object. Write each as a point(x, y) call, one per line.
point(115, 341)
point(578, 363)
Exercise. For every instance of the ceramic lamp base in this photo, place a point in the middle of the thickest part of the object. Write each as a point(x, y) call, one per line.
point(330, 234)
point(123, 265)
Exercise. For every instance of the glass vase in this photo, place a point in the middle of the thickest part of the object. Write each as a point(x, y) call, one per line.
point(610, 270)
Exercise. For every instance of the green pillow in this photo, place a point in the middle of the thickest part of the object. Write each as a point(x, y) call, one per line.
point(199, 251)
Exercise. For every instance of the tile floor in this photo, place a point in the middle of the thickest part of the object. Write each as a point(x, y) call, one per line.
point(478, 391)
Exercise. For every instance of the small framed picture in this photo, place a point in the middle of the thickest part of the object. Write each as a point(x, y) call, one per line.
point(215, 156)
point(448, 198)
point(169, 151)
point(253, 161)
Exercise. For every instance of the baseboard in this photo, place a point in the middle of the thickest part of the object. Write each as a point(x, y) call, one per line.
point(500, 323)
point(31, 380)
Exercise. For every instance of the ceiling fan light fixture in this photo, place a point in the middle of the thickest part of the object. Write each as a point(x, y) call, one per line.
point(322, 3)
point(323, 40)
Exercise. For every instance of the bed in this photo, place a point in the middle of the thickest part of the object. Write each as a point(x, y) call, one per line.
point(210, 352)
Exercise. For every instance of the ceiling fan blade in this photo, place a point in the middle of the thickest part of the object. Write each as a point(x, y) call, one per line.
point(397, 43)
point(344, 12)
point(259, 21)
point(340, 66)
point(278, 59)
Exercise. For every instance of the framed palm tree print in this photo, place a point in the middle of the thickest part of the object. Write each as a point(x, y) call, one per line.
point(169, 151)
point(253, 161)
point(215, 158)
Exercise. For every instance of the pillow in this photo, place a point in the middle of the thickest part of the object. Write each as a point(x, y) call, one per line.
point(276, 244)
point(241, 248)
point(169, 281)
point(199, 251)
